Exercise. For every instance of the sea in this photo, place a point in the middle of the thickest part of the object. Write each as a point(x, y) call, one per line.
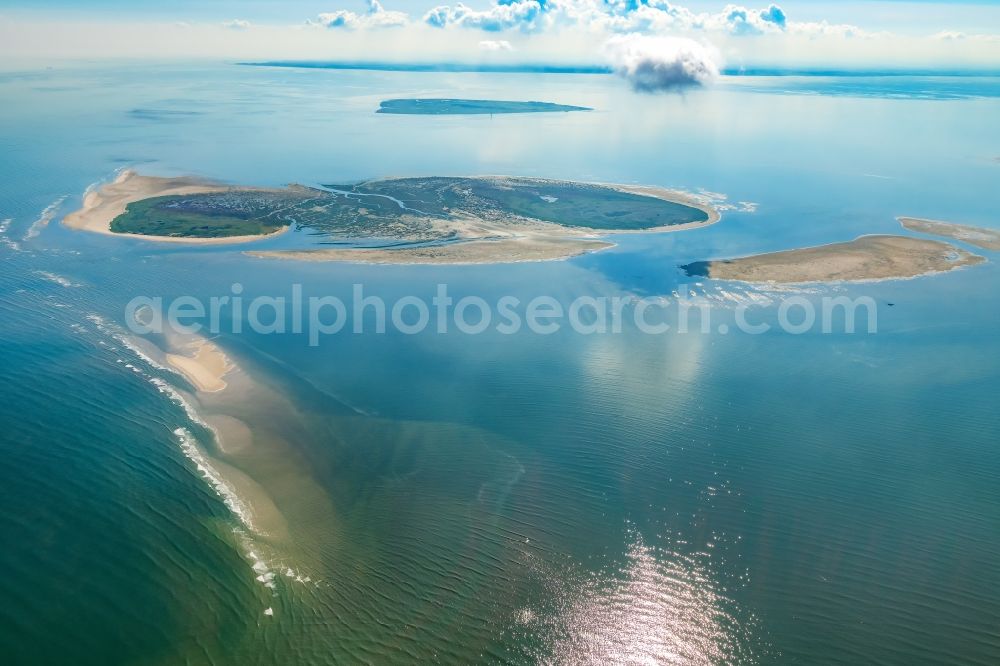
point(712, 496)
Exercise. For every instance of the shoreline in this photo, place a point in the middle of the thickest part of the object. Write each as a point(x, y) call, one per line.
point(101, 205)
point(671, 196)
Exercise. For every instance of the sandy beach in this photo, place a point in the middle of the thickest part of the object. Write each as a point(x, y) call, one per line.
point(988, 239)
point(501, 251)
point(203, 364)
point(102, 205)
point(865, 258)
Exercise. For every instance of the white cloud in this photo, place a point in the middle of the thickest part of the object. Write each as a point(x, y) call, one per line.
point(375, 17)
point(524, 15)
point(653, 16)
point(742, 21)
point(660, 64)
point(824, 29)
point(949, 35)
point(236, 24)
point(495, 45)
point(953, 36)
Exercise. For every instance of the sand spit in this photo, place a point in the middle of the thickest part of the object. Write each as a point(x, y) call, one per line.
point(988, 239)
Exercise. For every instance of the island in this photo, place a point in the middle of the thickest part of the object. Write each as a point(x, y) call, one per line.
point(473, 219)
point(988, 239)
point(440, 107)
point(875, 257)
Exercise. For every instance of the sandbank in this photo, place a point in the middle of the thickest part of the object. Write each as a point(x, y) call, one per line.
point(232, 434)
point(500, 251)
point(205, 366)
point(875, 257)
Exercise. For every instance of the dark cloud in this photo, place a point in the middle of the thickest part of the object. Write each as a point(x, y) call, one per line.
point(661, 64)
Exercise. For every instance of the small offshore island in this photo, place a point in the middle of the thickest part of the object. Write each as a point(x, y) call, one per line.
point(441, 107)
point(876, 257)
point(482, 219)
point(873, 257)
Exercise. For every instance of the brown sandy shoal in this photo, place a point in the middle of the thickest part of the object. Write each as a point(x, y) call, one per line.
point(205, 367)
point(506, 250)
point(876, 257)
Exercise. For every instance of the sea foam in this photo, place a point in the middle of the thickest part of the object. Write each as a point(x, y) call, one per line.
point(58, 279)
point(4, 239)
point(211, 475)
point(46, 216)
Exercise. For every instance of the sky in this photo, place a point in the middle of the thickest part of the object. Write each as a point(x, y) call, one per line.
point(854, 34)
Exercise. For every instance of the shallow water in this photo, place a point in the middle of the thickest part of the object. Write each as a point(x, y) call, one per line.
point(569, 498)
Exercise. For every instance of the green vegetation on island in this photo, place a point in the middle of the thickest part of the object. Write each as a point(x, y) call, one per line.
point(436, 208)
point(209, 215)
point(499, 198)
point(440, 107)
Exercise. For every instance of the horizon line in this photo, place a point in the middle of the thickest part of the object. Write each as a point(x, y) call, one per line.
point(535, 68)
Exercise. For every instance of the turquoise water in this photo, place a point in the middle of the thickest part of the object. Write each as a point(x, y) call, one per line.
point(701, 498)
